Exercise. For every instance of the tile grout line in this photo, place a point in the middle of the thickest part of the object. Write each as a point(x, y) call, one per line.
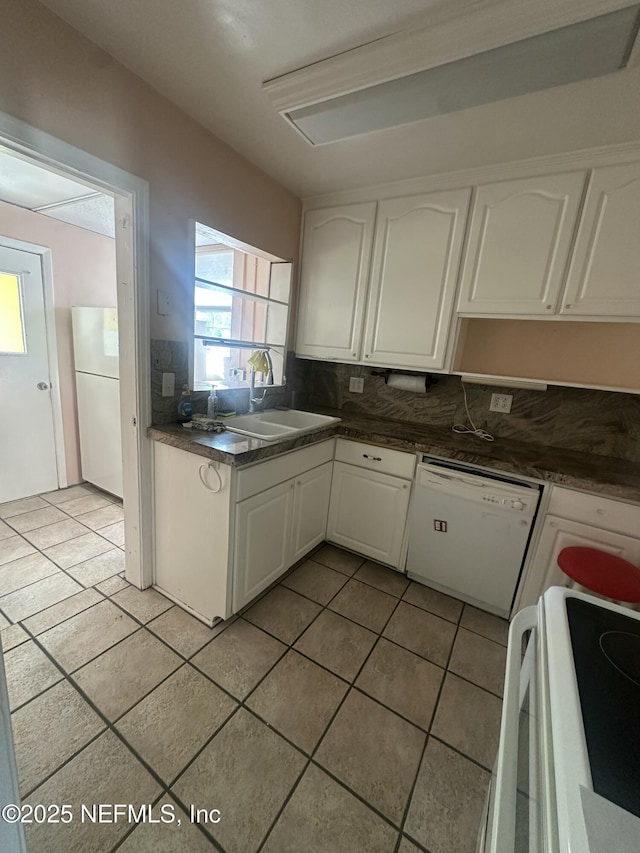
point(109, 726)
point(289, 647)
point(431, 722)
point(332, 719)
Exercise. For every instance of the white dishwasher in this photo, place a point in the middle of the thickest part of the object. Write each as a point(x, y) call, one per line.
point(469, 532)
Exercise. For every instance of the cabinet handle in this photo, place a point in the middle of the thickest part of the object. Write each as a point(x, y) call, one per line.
point(373, 458)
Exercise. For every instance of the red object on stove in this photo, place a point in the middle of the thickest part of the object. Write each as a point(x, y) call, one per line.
point(603, 573)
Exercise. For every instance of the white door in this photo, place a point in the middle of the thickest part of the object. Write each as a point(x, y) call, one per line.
point(27, 444)
point(311, 506)
point(263, 537)
point(559, 533)
point(519, 241)
point(416, 258)
point(368, 512)
point(604, 277)
point(336, 250)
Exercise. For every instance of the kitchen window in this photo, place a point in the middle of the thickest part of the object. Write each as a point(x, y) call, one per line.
point(241, 303)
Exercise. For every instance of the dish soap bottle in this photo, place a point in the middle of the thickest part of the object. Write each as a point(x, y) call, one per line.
point(185, 408)
point(212, 404)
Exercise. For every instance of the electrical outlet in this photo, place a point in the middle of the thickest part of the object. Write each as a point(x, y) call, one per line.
point(168, 384)
point(501, 403)
point(356, 384)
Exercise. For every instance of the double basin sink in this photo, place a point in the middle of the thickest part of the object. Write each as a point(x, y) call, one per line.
point(274, 424)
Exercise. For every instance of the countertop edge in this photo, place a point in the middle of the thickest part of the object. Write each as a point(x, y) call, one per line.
point(243, 451)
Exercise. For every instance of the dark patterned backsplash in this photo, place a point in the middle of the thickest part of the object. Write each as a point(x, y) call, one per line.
point(173, 357)
point(602, 422)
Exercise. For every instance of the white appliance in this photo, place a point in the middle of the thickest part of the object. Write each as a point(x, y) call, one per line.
point(95, 347)
point(567, 775)
point(468, 533)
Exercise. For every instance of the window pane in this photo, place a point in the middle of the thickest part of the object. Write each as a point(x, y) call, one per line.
point(213, 312)
point(11, 326)
point(215, 266)
point(227, 367)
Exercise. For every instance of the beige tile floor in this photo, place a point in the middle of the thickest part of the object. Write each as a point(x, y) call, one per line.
point(348, 709)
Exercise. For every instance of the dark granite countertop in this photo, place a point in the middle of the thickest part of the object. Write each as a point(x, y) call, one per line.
point(616, 478)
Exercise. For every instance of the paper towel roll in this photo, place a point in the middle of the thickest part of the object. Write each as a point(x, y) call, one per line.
point(405, 382)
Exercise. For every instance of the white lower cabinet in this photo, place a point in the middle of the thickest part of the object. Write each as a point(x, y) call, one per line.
point(263, 527)
point(192, 532)
point(277, 526)
point(557, 533)
point(368, 512)
point(310, 510)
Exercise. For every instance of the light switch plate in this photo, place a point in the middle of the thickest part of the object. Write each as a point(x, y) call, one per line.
point(168, 384)
point(164, 303)
point(356, 384)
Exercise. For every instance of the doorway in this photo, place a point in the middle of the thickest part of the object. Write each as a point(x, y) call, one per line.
point(131, 206)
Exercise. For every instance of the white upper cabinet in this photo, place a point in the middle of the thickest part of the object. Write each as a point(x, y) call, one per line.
point(333, 281)
point(519, 242)
point(604, 277)
point(417, 249)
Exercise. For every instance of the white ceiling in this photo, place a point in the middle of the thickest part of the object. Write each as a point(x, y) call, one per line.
point(26, 184)
point(210, 57)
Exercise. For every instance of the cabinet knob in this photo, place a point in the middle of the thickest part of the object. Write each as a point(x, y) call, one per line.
point(568, 305)
point(548, 307)
point(298, 482)
point(367, 355)
point(354, 354)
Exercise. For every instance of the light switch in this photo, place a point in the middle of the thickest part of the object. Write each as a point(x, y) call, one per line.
point(164, 303)
point(168, 384)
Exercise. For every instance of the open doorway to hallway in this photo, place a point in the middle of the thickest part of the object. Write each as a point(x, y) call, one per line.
point(128, 198)
point(59, 355)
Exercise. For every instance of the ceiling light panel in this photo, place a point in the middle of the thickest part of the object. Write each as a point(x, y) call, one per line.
point(581, 51)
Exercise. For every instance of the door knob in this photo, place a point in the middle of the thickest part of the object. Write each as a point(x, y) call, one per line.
point(43, 386)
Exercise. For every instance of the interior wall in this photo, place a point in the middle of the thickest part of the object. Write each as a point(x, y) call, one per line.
point(84, 273)
point(58, 81)
point(590, 354)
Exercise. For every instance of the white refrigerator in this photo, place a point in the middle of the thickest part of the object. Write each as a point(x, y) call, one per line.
point(95, 348)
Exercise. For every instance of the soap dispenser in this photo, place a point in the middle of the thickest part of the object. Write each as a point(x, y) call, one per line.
point(212, 404)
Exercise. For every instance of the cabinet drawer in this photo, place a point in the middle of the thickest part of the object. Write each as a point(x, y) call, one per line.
point(264, 475)
point(382, 459)
point(595, 510)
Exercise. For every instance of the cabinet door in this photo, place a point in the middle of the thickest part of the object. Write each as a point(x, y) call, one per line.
point(604, 278)
point(418, 245)
point(559, 533)
point(262, 541)
point(368, 512)
point(519, 242)
point(311, 507)
point(336, 250)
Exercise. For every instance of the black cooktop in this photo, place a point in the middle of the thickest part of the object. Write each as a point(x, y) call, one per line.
point(606, 652)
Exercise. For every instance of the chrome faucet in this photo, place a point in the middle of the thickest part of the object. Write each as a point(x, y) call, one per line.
point(255, 403)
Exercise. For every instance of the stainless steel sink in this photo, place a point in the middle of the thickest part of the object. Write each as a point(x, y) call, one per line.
point(273, 424)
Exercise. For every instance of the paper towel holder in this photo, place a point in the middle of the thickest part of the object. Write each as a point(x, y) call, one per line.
point(386, 372)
